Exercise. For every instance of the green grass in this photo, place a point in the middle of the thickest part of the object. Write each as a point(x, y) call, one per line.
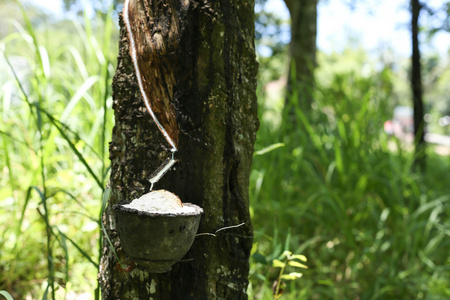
point(56, 111)
point(369, 226)
point(324, 183)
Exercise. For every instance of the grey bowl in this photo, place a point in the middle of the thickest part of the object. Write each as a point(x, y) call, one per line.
point(156, 241)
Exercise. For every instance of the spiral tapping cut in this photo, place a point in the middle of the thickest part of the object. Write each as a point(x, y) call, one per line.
point(160, 109)
point(162, 169)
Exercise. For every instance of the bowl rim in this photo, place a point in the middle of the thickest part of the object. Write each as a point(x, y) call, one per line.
point(120, 208)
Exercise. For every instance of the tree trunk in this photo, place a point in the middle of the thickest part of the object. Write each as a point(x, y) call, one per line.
point(209, 70)
point(416, 85)
point(302, 50)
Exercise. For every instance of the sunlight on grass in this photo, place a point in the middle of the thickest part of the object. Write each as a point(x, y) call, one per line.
point(56, 111)
point(370, 227)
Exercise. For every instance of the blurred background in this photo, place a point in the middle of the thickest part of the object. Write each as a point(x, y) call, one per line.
point(338, 174)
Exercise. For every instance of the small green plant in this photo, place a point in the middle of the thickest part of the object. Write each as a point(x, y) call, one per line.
point(275, 267)
point(287, 259)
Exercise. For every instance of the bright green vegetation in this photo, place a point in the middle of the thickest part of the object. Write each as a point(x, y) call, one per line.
point(336, 193)
point(327, 184)
point(56, 121)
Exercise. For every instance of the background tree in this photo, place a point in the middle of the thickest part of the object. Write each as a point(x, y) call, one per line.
point(416, 85)
point(301, 54)
point(302, 49)
point(212, 61)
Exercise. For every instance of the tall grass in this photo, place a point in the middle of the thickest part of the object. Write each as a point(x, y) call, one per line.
point(337, 193)
point(55, 108)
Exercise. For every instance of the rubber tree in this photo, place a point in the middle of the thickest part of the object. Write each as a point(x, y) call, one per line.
point(203, 54)
point(416, 86)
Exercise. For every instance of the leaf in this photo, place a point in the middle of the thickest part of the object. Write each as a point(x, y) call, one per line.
point(82, 252)
point(66, 258)
point(72, 146)
point(82, 90)
point(325, 282)
point(258, 257)
point(65, 192)
point(269, 148)
point(44, 297)
point(297, 264)
point(260, 277)
point(278, 264)
point(6, 295)
point(112, 248)
point(287, 243)
point(287, 253)
point(291, 276)
point(24, 208)
point(254, 248)
point(299, 257)
point(105, 199)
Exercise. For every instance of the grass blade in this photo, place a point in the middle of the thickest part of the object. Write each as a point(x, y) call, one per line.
point(112, 248)
point(268, 149)
point(27, 199)
point(6, 295)
point(70, 195)
point(79, 95)
point(44, 297)
point(63, 244)
point(83, 253)
point(72, 146)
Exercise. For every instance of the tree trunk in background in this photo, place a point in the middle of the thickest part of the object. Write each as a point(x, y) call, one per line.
point(416, 85)
point(214, 96)
point(302, 49)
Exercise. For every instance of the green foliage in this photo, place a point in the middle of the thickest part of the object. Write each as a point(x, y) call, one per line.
point(99, 6)
point(272, 35)
point(56, 111)
point(348, 201)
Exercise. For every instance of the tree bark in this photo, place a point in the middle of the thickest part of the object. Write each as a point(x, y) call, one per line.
point(302, 50)
point(213, 94)
point(416, 86)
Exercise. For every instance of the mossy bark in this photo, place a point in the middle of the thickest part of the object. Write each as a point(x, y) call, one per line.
point(214, 71)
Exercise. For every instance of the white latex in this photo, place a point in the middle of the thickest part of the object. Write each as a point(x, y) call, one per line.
point(160, 201)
